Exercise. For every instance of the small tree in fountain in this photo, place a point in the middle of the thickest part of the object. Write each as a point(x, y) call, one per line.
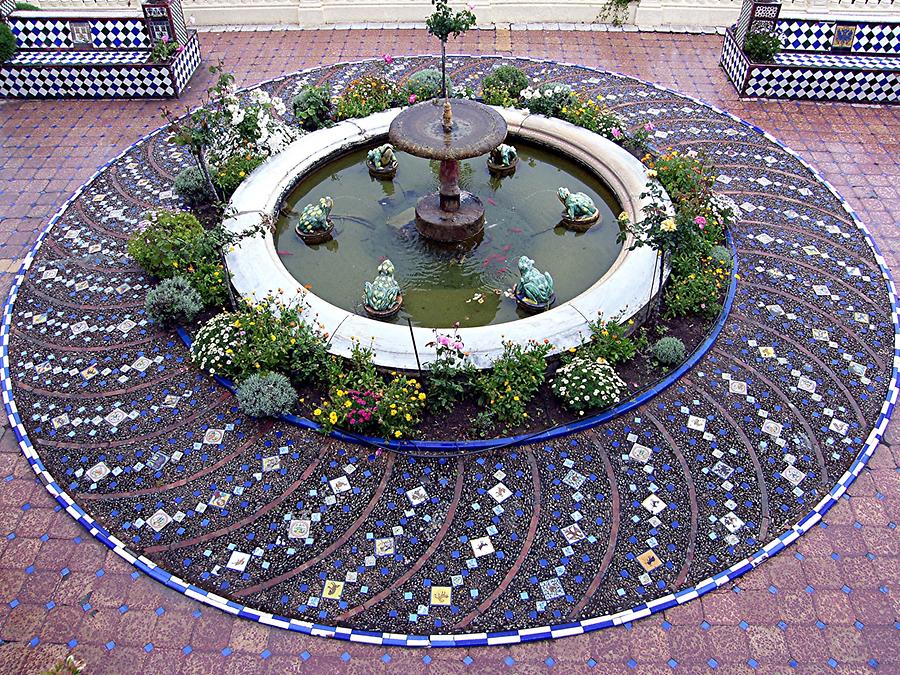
point(444, 23)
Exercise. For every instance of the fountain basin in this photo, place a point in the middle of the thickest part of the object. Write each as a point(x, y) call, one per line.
point(622, 291)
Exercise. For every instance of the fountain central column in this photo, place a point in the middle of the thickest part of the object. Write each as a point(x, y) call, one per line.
point(448, 132)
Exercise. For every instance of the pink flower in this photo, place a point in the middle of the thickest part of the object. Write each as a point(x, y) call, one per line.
point(458, 346)
point(412, 99)
point(616, 132)
point(443, 340)
point(165, 39)
point(388, 59)
point(649, 127)
point(700, 221)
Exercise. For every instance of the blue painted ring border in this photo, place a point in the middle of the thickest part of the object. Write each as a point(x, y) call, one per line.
point(469, 639)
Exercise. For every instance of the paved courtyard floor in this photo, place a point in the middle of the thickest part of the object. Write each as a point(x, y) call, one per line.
point(828, 603)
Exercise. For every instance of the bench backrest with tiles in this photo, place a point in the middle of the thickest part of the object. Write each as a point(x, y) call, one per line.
point(97, 53)
point(824, 59)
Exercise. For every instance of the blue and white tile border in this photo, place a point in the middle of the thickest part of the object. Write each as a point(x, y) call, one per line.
point(467, 639)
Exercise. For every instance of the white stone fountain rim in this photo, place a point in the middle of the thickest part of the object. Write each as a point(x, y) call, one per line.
point(257, 272)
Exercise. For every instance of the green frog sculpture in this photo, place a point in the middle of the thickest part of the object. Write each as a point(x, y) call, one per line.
point(579, 210)
point(534, 290)
point(383, 297)
point(503, 160)
point(382, 162)
point(314, 225)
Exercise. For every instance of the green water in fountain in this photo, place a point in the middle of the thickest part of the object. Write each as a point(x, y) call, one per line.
point(374, 220)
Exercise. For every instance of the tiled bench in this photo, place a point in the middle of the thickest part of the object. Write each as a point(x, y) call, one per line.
point(822, 60)
point(97, 54)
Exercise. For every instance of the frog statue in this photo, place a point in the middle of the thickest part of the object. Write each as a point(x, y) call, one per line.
point(537, 287)
point(382, 294)
point(382, 157)
point(503, 155)
point(315, 217)
point(578, 206)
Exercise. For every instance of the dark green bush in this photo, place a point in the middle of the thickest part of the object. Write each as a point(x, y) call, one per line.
point(8, 44)
point(313, 107)
point(503, 85)
point(762, 47)
point(191, 185)
point(27, 7)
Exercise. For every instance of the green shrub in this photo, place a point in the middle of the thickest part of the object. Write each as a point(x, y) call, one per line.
point(266, 337)
point(174, 242)
point(668, 351)
point(512, 382)
point(192, 187)
point(159, 249)
point(610, 342)
point(27, 7)
point(233, 171)
point(762, 47)
point(424, 85)
point(312, 107)
point(720, 254)
point(8, 44)
point(450, 375)
point(266, 395)
point(588, 383)
point(365, 96)
point(697, 292)
point(173, 301)
point(503, 86)
point(549, 99)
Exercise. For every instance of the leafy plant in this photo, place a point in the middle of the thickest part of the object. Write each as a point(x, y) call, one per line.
point(266, 395)
point(313, 107)
point(164, 49)
point(610, 341)
point(27, 7)
point(8, 45)
point(425, 84)
point(230, 173)
point(668, 351)
point(503, 86)
point(450, 375)
point(761, 47)
point(269, 336)
point(697, 292)
point(365, 96)
point(191, 185)
point(174, 300)
point(721, 255)
point(549, 99)
point(513, 380)
point(587, 383)
point(360, 400)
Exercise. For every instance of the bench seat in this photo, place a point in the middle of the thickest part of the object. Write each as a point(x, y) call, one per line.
point(842, 61)
point(79, 58)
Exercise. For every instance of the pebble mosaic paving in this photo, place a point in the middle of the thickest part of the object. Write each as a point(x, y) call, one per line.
point(268, 515)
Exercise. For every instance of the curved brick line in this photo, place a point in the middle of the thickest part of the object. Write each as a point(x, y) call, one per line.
point(523, 552)
point(615, 517)
point(143, 437)
point(128, 197)
point(817, 448)
point(52, 299)
point(827, 275)
point(91, 396)
point(26, 335)
point(765, 517)
point(790, 201)
point(814, 310)
point(777, 150)
point(809, 232)
point(156, 164)
point(268, 506)
point(426, 555)
point(780, 172)
point(80, 261)
point(165, 487)
point(336, 544)
point(831, 374)
point(79, 208)
point(513, 636)
point(692, 499)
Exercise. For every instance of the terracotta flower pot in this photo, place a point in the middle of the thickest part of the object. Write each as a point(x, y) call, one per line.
point(316, 236)
point(383, 173)
point(502, 169)
point(580, 224)
point(388, 313)
point(532, 307)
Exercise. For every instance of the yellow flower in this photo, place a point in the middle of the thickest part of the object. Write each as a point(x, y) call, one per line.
point(317, 412)
point(347, 403)
point(333, 417)
point(668, 225)
point(408, 417)
point(397, 434)
point(421, 396)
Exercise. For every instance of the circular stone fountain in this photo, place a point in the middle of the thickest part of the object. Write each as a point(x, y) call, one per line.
point(449, 133)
